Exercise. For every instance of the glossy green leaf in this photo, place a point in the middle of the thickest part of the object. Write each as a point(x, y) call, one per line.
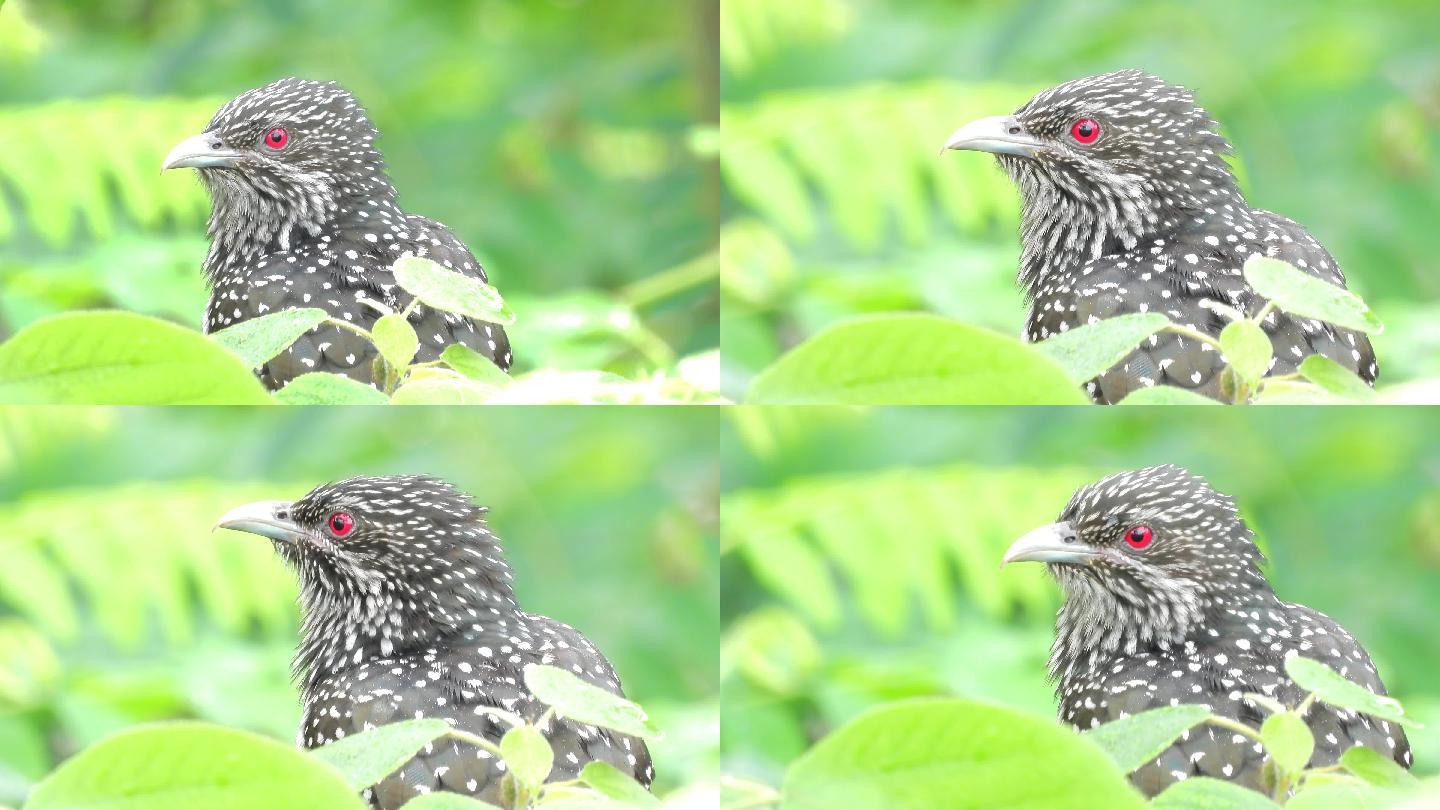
point(1135, 740)
point(1335, 689)
point(119, 358)
point(366, 758)
point(1288, 741)
point(325, 388)
point(956, 754)
point(1088, 351)
point(450, 291)
point(1205, 793)
point(181, 766)
point(1335, 378)
point(913, 359)
point(527, 754)
point(1247, 349)
point(1299, 293)
point(1166, 395)
point(1376, 768)
point(608, 780)
point(473, 364)
point(578, 700)
point(260, 339)
point(396, 339)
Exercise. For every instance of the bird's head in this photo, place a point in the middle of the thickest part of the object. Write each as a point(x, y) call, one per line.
point(282, 157)
point(1143, 556)
point(1107, 159)
point(393, 559)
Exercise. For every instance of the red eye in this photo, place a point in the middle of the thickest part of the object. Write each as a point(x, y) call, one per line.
point(1139, 536)
point(1086, 130)
point(341, 524)
point(277, 138)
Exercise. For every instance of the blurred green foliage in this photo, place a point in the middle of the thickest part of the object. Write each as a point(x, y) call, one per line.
point(861, 549)
point(836, 204)
point(555, 138)
point(119, 605)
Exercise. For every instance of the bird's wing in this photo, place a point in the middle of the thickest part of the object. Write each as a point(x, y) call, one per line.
point(432, 240)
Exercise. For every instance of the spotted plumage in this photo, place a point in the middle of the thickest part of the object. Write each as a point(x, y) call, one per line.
point(304, 215)
point(1128, 206)
point(409, 612)
point(1165, 603)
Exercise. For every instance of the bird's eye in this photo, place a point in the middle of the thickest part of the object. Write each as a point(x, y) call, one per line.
point(1139, 537)
point(341, 524)
point(277, 138)
point(1086, 130)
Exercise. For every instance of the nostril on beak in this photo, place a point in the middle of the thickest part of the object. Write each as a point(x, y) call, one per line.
point(1014, 130)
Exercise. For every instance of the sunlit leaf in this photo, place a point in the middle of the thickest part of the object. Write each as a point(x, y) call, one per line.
point(1088, 351)
point(1300, 293)
point(1205, 793)
point(451, 291)
point(1337, 690)
point(326, 388)
point(578, 700)
point(1335, 378)
point(258, 340)
point(1247, 349)
point(1166, 395)
point(1135, 740)
point(396, 339)
point(366, 758)
point(528, 754)
point(607, 779)
point(1287, 741)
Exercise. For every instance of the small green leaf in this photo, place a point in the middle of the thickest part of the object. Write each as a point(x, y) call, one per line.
point(184, 765)
point(607, 779)
point(1135, 740)
point(1335, 378)
point(956, 754)
point(1288, 741)
point(1247, 349)
point(120, 358)
point(1295, 392)
point(1328, 792)
point(396, 340)
point(1302, 294)
point(325, 388)
point(1166, 395)
point(913, 360)
point(587, 703)
point(528, 755)
point(259, 340)
point(1376, 768)
point(446, 801)
point(370, 756)
point(473, 364)
point(1335, 689)
point(1088, 351)
point(450, 291)
point(433, 386)
point(1205, 793)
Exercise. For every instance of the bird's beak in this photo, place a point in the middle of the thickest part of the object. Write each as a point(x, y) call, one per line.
point(266, 518)
point(1001, 134)
point(1056, 543)
point(204, 151)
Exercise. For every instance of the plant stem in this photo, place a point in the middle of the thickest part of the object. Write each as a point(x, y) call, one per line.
point(475, 740)
point(1193, 334)
point(1234, 725)
point(1259, 317)
point(359, 330)
point(667, 283)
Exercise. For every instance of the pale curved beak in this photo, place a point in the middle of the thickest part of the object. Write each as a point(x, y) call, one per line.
point(204, 151)
point(1056, 543)
point(1000, 134)
point(266, 518)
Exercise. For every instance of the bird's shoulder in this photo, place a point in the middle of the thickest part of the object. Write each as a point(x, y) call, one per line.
point(1285, 239)
point(434, 240)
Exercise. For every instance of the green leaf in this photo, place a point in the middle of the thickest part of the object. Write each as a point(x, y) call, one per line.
point(258, 340)
point(450, 291)
point(119, 358)
point(1376, 768)
point(473, 364)
point(1088, 351)
point(607, 779)
point(913, 359)
point(1325, 794)
point(429, 386)
point(396, 339)
point(956, 754)
point(1335, 378)
point(1135, 740)
point(1335, 689)
point(1166, 395)
point(446, 801)
point(366, 758)
point(1299, 293)
point(1288, 741)
point(325, 388)
point(1295, 392)
point(180, 766)
point(1205, 793)
point(586, 703)
point(1247, 349)
point(528, 755)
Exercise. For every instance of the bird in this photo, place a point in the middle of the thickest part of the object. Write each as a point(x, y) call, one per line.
point(409, 611)
point(1165, 603)
point(1128, 205)
point(303, 214)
